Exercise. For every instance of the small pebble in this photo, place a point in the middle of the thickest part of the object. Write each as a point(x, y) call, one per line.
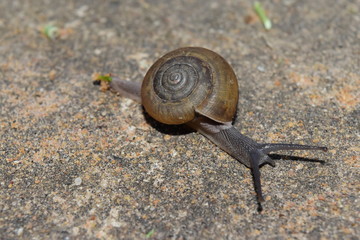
point(78, 181)
point(19, 231)
point(261, 68)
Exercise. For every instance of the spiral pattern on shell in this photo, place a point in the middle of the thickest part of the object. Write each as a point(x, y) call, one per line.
point(189, 81)
point(178, 77)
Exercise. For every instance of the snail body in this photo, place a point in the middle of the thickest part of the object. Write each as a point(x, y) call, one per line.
point(197, 87)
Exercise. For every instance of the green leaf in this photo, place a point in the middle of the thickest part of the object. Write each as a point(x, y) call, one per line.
point(105, 78)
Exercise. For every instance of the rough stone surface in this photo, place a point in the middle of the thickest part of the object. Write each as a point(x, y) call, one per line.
point(78, 163)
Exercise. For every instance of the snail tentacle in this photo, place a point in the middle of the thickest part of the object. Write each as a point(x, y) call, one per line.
point(273, 147)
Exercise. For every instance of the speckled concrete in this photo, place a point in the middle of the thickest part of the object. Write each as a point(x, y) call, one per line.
point(78, 163)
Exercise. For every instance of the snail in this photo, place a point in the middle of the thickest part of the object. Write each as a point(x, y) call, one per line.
point(197, 87)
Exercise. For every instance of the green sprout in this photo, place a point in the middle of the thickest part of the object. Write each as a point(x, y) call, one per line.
point(262, 15)
point(51, 31)
point(149, 234)
point(105, 78)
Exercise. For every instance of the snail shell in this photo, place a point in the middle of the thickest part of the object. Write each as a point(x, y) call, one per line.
point(190, 81)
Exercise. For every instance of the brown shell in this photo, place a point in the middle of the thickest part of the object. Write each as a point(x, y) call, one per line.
point(188, 81)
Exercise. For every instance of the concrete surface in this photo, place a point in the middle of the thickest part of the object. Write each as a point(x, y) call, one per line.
point(78, 163)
